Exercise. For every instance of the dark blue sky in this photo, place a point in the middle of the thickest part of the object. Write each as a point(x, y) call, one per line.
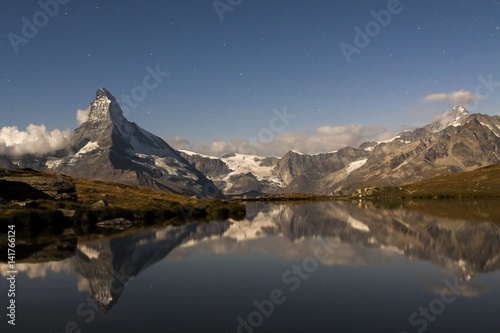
point(226, 76)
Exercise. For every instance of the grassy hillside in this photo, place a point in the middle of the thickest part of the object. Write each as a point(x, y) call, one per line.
point(484, 182)
point(480, 183)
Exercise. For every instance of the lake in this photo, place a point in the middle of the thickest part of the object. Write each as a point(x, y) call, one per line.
point(305, 267)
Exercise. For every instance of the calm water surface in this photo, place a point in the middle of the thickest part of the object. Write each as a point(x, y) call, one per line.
point(316, 267)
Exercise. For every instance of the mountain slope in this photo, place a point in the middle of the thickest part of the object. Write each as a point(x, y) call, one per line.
point(483, 182)
point(465, 144)
point(109, 147)
point(237, 174)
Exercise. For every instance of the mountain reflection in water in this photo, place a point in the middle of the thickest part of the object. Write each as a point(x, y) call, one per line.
point(462, 248)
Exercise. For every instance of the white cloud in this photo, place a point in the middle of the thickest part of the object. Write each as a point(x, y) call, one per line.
point(39, 270)
point(323, 139)
point(36, 140)
point(82, 116)
point(460, 97)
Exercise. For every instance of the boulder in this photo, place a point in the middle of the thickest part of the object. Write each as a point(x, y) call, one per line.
point(99, 204)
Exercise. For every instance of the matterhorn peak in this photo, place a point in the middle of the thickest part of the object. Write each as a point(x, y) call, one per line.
point(103, 93)
point(108, 146)
point(104, 107)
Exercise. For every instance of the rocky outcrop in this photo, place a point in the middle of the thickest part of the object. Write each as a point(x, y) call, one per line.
point(210, 167)
point(6, 163)
point(318, 173)
point(23, 184)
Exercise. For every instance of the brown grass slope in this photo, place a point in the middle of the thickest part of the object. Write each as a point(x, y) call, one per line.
point(133, 202)
point(480, 183)
point(483, 182)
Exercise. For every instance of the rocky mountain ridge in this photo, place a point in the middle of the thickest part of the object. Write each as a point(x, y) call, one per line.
point(455, 142)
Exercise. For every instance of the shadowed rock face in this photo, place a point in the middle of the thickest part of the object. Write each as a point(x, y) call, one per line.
point(210, 167)
point(109, 147)
point(6, 163)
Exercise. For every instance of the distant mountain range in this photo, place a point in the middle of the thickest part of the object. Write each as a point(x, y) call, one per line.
point(457, 142)
point(109, 147)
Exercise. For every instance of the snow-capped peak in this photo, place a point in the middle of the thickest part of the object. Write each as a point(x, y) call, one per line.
point(461, 110)
point(104, 106)
point(455, 117)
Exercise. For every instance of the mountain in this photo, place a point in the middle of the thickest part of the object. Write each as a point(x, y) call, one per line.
point(457, 141)
point(109, 147)
point(237, 174)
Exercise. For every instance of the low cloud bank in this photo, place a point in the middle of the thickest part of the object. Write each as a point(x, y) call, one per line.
point(322, 140)
point(35, 140)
